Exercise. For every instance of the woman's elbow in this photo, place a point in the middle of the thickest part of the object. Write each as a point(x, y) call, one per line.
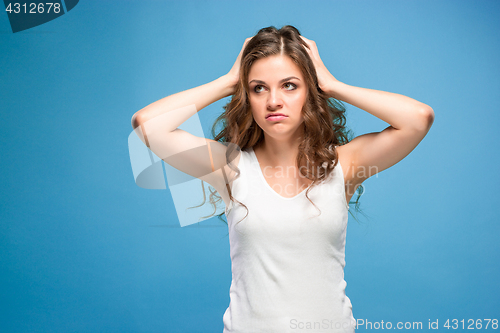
point(426, 117)
point(136, 120)
point(428, 114)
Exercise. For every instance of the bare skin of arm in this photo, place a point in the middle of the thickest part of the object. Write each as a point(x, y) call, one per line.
point(157, 126)
point(371, 153)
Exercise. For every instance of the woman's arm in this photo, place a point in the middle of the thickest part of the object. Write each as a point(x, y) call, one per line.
point(157, 126)
point(200, 97)
point(400, 111)
point(372, 153)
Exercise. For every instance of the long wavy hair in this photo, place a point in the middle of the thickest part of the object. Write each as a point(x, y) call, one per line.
point(324, 117)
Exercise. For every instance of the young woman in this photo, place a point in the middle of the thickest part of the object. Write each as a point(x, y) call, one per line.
point(285, 169)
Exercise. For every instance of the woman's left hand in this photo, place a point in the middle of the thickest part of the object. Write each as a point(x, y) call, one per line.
point(324, 76)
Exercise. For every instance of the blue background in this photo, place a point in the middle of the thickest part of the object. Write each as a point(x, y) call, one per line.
point(84, 249)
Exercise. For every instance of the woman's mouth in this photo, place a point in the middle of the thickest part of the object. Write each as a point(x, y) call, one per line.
point(276, 116)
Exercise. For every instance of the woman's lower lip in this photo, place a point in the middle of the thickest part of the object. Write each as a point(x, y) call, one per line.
point(275, 118)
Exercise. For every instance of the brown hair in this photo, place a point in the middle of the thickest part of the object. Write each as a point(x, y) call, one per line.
point(324, 117)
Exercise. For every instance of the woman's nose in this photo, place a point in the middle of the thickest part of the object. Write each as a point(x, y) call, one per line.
point(274, 100)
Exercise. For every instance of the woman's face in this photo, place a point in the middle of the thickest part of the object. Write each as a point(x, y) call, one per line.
point(276, 85)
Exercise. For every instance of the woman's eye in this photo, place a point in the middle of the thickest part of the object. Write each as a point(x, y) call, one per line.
point(289, 86)
point(258, 88)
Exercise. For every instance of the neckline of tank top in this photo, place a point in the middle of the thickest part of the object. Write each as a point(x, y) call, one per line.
point(261, 176)
point(263, 179)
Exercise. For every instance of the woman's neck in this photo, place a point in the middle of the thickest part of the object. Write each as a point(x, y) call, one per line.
point(276, 152)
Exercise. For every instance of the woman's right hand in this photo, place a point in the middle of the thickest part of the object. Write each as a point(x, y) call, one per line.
point(234, 73)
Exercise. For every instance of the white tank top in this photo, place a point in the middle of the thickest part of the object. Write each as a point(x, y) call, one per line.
point(287, 263)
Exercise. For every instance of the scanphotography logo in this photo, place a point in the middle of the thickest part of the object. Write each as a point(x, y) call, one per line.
point(24, 15)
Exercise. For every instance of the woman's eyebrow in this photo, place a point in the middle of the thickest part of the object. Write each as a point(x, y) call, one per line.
point(281, 81)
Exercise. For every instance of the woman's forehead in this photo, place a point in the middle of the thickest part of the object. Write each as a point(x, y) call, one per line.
point(274, 68)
